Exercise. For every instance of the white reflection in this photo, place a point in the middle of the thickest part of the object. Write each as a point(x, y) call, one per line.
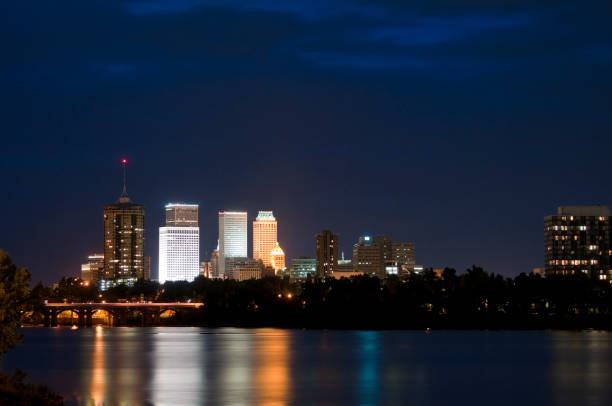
point(178, 367)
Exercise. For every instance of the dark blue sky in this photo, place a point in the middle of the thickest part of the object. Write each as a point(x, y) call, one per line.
point(455, 124)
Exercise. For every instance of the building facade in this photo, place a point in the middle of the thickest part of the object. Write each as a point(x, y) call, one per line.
point(264, 236)
point(93, 270)
point(124, 242)
point(380, 256)
point(233, 240)
point(302, 268)
point(326, 253)
point(179, 244)
point(242, 268)
point(577, 240)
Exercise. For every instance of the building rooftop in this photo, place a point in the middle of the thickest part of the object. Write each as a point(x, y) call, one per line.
point(598, 210)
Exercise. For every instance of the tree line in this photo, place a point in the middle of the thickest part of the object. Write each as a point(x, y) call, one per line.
point(473, 299)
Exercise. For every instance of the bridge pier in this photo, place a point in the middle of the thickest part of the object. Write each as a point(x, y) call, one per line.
point(88, 317)
point(81, 314)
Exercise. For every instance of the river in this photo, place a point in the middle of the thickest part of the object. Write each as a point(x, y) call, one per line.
point(232, 366)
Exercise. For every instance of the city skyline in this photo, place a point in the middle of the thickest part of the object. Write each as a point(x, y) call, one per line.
point(450, 124)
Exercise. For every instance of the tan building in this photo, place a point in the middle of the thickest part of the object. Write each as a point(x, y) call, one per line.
point(264, 237)
point(242, 268)
point(123, 242)
point(326, 253)
point(277, 258)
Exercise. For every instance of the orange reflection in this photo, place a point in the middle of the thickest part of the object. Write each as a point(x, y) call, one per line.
point(271, 370)
point(98, 382)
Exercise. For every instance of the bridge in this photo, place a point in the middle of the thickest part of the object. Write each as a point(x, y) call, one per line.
point(118, 313)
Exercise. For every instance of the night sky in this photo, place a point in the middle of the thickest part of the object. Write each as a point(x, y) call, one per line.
point(457, 125)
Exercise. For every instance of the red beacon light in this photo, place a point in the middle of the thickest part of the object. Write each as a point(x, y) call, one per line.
point(124, 161)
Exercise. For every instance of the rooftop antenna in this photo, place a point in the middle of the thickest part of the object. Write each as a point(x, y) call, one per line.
point(124, 196)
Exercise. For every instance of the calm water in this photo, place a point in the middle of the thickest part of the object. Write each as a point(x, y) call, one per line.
point(193, 366)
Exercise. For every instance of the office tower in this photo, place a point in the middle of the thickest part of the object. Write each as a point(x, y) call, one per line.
point(577, 240)
point(277, 258)
point(93, 270)
point(302, 268)
point(264, 236)
point(179, 244)
point(368, 256)
point(380, 256)
point(326, 253)
point(243, 268)
point(402, 258)
point(123, 240)
point(232, 237)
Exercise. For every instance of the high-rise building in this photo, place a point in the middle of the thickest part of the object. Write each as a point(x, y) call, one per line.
point(277, 259)
point(179, 244)
point(123, 240)
point(264, 236)
point(233, 240)
point(326, 253)
point(380, 256)
point(93, 270)
point(302, 268)
point(577, 240)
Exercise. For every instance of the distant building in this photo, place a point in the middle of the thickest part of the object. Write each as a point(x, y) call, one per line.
point(578, 240)
point(346, 273)
point(539, 271)
point(277, 259)
point(344, 265)
point(214, 264)
point(326, 253)
point(123, 240)
point(302, 268)
point(264, 236)
point(179, 244)
point(93, 270)
point(206, 269)
point(233, 240)
point(243, 268)
point(382, 257)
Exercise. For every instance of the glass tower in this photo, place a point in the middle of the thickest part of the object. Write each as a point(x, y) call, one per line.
point(232, 237)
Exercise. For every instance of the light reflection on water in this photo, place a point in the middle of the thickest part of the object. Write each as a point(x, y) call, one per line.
point(269, 367)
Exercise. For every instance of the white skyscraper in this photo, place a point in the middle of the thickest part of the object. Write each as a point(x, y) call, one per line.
point(232, 237)
point(179, 244)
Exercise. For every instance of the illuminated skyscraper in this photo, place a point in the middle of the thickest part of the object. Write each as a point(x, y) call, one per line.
point(327, 253)
point(277, 258)
point(233, 240)
point(123, 240)
point(264, 236)
point(179, 244)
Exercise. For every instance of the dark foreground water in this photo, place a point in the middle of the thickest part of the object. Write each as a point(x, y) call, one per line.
point(230, 366)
